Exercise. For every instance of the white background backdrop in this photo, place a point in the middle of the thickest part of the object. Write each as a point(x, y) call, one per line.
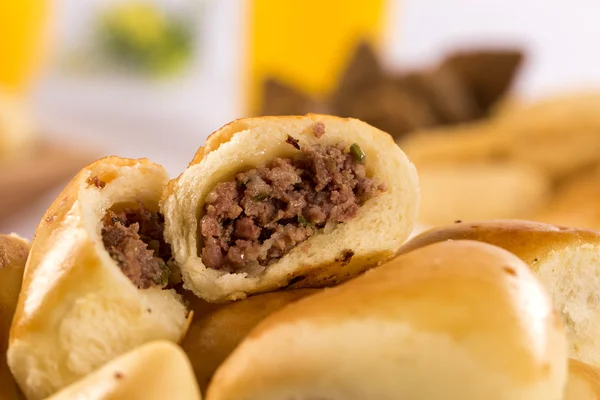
point(167, 125)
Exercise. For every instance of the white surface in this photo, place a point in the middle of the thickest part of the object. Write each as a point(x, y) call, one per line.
point(168, 124)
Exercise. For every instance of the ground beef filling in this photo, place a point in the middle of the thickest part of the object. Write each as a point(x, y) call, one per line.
point(134, 239)
point(265, 212)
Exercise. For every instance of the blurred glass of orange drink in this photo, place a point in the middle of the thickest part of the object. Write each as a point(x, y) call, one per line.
point(307, 43)
point(22, 28)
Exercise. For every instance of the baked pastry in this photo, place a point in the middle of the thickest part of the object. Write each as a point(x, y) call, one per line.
point(558, 133)
point(13, 255)
point(566, 260)
point(96, 283)
point(154, 371)
point(583, 383)
point(288, 202)
point(449, 321)
point(574, 203)
point(475, 191)
point(217, 329)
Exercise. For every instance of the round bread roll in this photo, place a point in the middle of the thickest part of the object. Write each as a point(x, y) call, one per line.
point(13, 255)
point(583, 383)
point(217, 329)
point(566, 260)
point(473, 142)
point(154, 371)
point(563, 129)
point(575, 203)
point(93, 289)
point(320, 199)
point(458, 320)
point(474, 191)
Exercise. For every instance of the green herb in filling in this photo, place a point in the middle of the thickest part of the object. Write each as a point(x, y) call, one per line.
point(357, 153)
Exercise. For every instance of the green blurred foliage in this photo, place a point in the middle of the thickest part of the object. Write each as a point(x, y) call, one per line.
point(142, 37)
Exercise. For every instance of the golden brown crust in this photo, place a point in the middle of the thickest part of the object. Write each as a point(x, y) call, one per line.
point(219, 328)
point(583, 380)
point(450, 310)
point(13, 255)
point(528, 240)
point(224, 135)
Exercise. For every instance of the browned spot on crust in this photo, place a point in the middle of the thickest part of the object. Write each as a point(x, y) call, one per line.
point(95, 181)
point(296, 279)
point(118, 375)
point(346, 257)
point(510, 271)
point(293, 142)
point(318, 129)
point(458, 221)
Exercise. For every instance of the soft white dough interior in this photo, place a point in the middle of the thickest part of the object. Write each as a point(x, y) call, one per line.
point(381, 225)
point(572, 276)
point(102, 314)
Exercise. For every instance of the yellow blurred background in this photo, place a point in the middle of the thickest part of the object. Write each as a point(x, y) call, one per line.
point(22, 27)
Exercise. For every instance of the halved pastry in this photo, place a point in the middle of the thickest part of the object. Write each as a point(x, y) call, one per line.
point(288, 202)
point(96, 283)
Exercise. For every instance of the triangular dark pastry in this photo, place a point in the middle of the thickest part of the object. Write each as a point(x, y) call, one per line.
point(389, 107)
point(363, 71)
point(283, 99)
point(487, 73)
point(445, 92)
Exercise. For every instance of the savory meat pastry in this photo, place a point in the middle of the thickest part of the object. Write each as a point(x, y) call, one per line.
point(455, 320)
point(288, 202)
point(98, 279)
